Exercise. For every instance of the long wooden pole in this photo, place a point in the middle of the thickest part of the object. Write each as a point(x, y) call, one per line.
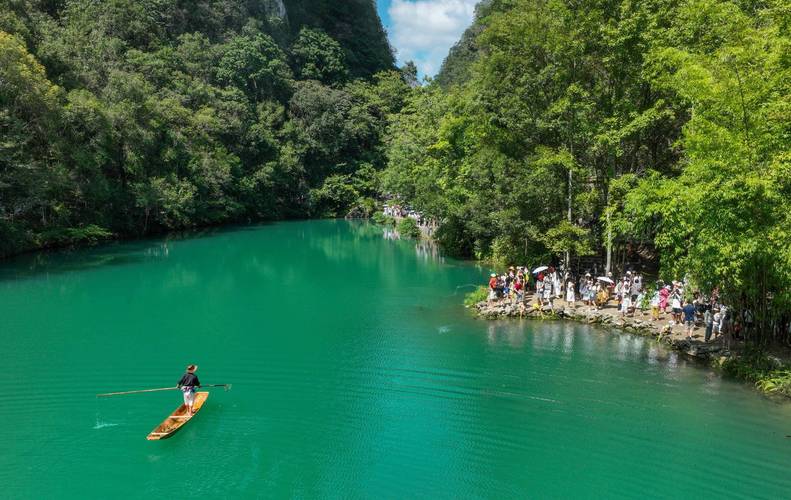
point(136, 392)
point(227, 386)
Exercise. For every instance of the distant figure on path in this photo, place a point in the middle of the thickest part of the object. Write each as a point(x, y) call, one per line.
point(708, 320)
point(655, 306)
point(689, 318)
point(188, 383)
point(548, 297)
point(626, 299)
point(716, 321)
point(492, 287)
point(664, 294)
point(675, 305)
point(570, 298)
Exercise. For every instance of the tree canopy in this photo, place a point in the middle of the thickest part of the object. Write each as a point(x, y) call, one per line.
point(121, 117)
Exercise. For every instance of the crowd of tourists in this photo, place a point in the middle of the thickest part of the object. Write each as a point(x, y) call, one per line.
point(629, 293)
point(400, 211)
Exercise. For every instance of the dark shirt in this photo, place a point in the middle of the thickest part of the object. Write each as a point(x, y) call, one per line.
point(689, 312)
point(189, 380)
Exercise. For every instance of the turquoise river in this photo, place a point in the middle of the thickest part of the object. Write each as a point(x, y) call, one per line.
point(356, 373)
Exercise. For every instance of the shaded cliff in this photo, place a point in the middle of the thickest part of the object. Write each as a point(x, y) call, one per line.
point(355, 24)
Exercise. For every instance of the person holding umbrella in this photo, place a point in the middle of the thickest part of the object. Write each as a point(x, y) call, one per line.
point(603, 284)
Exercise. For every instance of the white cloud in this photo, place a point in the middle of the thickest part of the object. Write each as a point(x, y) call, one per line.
point(424, 30)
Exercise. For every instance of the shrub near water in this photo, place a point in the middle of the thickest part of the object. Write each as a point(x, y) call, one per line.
point(408, 228)
point(768, 373)
point(383, 219)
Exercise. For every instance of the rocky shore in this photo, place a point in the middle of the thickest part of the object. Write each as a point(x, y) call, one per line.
point(639, 324)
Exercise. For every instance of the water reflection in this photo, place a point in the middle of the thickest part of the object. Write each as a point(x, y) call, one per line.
point(512, 333)
point(425, 249)
point(428, 250)
point(572, 339)
point(161, 250)
point(568, 339)
point(555, 337)
point(672, 364)
point(55, 262)
point(390, 234)
point(712, 383)
point(653, 355)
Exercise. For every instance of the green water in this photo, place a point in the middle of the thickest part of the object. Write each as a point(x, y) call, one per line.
point(356, 374)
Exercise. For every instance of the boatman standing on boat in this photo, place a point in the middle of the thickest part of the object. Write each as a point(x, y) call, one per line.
point(188, 383)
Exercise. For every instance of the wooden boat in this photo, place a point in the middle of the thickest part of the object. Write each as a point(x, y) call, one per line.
point(176, 421)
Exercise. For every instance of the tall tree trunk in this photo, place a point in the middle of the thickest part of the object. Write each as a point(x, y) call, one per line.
point(568, 254)
point(608, 265)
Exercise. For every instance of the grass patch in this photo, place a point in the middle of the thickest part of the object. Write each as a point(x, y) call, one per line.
point(475, 296)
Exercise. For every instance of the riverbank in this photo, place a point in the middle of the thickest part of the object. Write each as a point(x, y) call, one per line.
point(769, 372)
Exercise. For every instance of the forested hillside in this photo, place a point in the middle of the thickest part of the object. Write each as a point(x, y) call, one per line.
point(660, 127)
point(123, 117)
point(457, 66)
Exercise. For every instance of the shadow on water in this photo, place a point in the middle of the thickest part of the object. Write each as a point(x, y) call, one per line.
point(114, 253)
point(132, 252)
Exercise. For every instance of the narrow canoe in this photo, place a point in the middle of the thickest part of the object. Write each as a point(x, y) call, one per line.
point(177, 420)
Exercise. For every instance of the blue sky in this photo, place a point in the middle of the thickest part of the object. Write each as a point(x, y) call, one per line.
point(424, 30)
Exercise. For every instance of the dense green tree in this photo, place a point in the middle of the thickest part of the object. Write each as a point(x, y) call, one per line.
point(256, 66)
point(29, 114)
point(318, 57)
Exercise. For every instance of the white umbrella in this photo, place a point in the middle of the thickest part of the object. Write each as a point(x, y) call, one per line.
point(605, 279)
point(539, 269)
